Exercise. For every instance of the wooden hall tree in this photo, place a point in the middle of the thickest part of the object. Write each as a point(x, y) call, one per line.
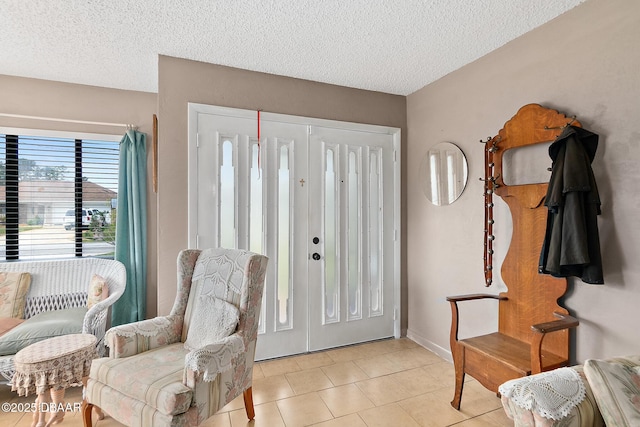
point(533, 329)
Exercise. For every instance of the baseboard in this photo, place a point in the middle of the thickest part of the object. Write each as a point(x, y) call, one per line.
point(430, 345)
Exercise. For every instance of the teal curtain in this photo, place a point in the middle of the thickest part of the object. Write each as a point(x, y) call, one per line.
point(131, 227)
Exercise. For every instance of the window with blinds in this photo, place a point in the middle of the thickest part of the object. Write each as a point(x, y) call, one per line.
point(58, 195)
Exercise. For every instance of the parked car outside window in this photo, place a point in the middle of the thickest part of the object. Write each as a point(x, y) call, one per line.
point(69, 220)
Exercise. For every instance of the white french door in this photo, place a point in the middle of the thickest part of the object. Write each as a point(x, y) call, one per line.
point(351, 271)
point(321, 202)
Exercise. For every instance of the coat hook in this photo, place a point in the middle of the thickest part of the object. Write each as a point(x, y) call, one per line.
point(573, 119)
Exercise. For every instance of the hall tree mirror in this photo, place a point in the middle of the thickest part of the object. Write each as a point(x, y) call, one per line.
point(527, 165)
point(443, 173)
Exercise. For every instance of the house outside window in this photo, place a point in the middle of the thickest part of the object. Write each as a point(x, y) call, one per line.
point(58, 194)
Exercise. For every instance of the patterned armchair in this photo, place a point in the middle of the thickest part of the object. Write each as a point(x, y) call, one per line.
point(152, 378)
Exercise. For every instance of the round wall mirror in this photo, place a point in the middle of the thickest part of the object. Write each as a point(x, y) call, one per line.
point(443, 173)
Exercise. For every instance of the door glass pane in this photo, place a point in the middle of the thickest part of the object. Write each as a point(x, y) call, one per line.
point(331, 300)
point(255, 204)
point(354, 235)
point(284, 240)
point(256, 218)
point(227, 197)
point(375, 234)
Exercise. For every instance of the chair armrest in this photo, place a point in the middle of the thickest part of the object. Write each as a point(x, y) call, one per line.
point(469, 297)
point(541, 329)
point(213, 358)
point(454, 300)
point(565, 322)
point(137, 337)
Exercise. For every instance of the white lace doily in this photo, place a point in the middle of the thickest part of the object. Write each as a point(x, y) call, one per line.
point(146, 328)
point(215, 358)
point(551, 394)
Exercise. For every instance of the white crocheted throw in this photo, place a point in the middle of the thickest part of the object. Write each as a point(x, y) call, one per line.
point(551, 394)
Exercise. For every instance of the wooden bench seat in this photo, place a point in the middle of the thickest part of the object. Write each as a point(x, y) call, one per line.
point(495, 358)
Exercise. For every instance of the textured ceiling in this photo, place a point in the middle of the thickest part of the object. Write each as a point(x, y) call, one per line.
point(393, 46)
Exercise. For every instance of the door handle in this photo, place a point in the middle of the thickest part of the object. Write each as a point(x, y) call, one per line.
point(316, 256)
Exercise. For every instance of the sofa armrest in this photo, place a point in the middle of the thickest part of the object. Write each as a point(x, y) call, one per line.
point(214, 358)
point(95, 323)
point(137, 337)
point(94, 319)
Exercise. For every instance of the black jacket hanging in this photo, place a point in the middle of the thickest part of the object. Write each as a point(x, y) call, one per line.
point(572, 246)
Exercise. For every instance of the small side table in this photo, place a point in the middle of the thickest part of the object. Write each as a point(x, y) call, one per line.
point(48, 367)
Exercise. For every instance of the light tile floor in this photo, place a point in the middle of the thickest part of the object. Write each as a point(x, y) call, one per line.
point(378, 384)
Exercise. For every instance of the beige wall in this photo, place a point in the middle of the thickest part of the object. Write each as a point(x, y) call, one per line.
point(41, 98)
point(182, 81)
point(586, 63)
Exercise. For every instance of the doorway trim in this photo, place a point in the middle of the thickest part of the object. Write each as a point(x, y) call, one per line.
point(195, 109)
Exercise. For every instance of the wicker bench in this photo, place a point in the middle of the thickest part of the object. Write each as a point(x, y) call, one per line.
point(63, 284)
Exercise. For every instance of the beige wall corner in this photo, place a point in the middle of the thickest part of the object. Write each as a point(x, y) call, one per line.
point(582, 63)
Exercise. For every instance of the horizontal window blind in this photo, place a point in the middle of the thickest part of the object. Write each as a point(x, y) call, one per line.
point(57, 196)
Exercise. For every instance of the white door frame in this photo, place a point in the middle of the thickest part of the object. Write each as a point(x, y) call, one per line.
point(194, 109)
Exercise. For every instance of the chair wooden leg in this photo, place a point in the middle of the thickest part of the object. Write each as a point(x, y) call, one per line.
point(458, 363)
point(248, 404)
point(86, 413)
point(457, 397)
point(98, 410)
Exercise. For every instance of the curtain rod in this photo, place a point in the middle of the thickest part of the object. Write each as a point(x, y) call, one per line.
point(84, 122)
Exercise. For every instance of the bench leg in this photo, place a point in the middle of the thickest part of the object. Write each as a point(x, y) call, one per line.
point(458, 364)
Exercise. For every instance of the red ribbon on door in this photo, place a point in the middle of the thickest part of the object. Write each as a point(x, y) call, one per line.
point(259, 144)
